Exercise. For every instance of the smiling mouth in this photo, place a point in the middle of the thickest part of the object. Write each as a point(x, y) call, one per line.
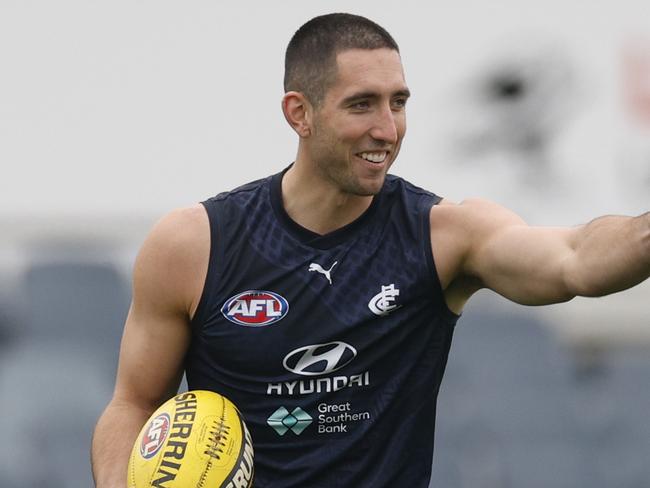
point(374, 156)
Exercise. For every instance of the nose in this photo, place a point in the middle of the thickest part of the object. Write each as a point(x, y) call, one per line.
point(384, 127)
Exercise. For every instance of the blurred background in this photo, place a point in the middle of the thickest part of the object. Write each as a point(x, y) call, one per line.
point(114, 113)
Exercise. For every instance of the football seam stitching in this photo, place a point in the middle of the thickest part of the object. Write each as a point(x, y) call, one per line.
point(219, 435)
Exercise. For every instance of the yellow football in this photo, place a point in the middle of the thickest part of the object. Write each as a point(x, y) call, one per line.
point(196, 439)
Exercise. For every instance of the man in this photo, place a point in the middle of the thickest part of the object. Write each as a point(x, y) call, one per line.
point(322, 300)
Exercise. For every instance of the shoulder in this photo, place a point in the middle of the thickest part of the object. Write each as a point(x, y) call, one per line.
point(180, 232)
point(172, 261)
point(458, 230)
point(474, 215)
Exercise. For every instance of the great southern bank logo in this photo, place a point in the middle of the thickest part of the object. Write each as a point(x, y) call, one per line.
point(255, 308)
point(296, 421)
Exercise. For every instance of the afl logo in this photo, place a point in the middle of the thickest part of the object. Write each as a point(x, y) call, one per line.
point(154, 436)
point(319, 359)
point(255, 308)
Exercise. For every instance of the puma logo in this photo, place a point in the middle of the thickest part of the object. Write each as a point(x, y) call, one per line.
point(319, 269)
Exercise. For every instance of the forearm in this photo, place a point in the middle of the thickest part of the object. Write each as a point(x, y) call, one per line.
point(113, 440)
point(610, 254)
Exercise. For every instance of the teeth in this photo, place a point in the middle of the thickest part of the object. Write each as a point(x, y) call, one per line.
point(374, 157)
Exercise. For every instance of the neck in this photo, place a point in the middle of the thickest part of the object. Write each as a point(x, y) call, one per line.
point(316, 204)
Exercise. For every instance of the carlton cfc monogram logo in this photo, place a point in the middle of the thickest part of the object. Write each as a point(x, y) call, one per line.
point(382, 303)
point(255, 308)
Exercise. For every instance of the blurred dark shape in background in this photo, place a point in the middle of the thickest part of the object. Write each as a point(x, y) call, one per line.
point(9, 325)
point(77, 306)
point(60, 369)
point(519, 409)
point(516, 103)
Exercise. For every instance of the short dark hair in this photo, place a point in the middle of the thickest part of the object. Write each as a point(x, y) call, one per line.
point(310, 60)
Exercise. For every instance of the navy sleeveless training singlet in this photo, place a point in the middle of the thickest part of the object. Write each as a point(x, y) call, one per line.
point(333, 347)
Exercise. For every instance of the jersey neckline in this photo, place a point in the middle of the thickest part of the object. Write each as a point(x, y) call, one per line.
point(306, 236)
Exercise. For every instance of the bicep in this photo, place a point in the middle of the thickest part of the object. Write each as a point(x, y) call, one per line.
point(525, 264)
point(167, 278)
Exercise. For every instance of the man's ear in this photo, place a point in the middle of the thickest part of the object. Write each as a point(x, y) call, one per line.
point(298, 112)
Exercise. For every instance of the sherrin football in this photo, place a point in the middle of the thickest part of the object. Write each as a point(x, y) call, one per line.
point(198, 439)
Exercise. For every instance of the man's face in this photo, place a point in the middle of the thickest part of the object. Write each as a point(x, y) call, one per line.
point(358, 128)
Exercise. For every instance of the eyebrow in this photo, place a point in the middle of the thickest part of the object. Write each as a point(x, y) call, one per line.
point(361, 95)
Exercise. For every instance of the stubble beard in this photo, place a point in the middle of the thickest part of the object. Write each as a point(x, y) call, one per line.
point(338, 171)
point(335, 166)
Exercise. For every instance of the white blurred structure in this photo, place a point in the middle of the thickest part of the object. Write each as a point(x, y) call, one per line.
point(112, 114)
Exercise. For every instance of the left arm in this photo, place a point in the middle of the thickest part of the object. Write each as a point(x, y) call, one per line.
point(542, 265)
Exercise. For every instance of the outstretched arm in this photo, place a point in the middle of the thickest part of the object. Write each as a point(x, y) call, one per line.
point(542, 265)
point(167, 281)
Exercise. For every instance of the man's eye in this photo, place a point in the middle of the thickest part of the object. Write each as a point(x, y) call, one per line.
point(361, 105)
point(399, 103)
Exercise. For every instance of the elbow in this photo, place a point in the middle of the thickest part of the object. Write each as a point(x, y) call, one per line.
point(577, 285)
point(593, 283)
point(584, 276)
point(578, 282)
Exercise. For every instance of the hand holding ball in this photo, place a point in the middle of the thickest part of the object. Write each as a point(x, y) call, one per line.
point(196, 439)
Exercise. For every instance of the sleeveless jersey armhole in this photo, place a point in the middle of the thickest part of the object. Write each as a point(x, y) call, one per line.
point(213, 271)
point(432, 271)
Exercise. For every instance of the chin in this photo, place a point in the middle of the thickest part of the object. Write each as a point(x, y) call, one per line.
point(369, 190)
point(367, 193)
point(362, 186)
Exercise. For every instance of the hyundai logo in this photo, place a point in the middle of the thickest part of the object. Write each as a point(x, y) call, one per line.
point(319, 359)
